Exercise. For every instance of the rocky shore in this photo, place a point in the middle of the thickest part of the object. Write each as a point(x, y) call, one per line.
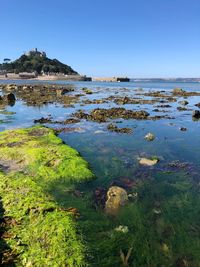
point(138, 144)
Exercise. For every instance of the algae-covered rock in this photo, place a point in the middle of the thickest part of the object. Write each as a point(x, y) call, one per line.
point(184, 102)
point(196, 114)
point(40, 233)
point(87, 91)
point(102, 114)
point(116, 198)
point(113, 128)
point(42, 154)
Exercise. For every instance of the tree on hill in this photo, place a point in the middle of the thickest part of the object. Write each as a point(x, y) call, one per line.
point(37, 63)
point(6, 60)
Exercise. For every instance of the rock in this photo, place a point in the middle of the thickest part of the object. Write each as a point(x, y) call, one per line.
point(182, 262)
point(163, 106)
point(196, 114)
point(156, 211)
point(149, 137)
point(102, 114)
point(113, 128)
point(43, 120)
point(71, 121)
point(165, 248)
point(183, 129)
point(10, 87)
point(148, 162)
point(181, 108)
point(177, 164)
point(178, 91)
point(100, 197)
point(87, 91)
point(184, 102)
point(135, 101)
point(133, 196)
point(10, 99)
point(99, 132)
point(62, 91)
point(198, 105)
point(40, 94)
point(181, 92)
point(122, 228)
point(116, 198)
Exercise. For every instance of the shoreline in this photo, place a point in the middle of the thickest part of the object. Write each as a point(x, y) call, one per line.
point(46, 78)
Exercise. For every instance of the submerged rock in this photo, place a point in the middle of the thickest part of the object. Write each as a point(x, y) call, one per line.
point(124, 182)
point(122, 228)
point(183, 129)
point(148, 162)
point(116, 198)
point(182, 262)
point(149, 137)
point(100, 197)
point(177, 164)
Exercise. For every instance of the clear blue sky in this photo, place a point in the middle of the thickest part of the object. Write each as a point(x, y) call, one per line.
point(137, 38)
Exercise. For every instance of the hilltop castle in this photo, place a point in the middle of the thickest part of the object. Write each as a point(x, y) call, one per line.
point(35, 52)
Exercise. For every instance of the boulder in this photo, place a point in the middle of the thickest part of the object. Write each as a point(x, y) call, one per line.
point(196, 114)
point(10, 98)
point(116, 198)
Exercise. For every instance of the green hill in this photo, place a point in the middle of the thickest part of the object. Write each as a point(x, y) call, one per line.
point(35, 61)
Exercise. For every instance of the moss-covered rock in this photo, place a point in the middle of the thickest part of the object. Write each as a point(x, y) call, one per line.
point(37, 231)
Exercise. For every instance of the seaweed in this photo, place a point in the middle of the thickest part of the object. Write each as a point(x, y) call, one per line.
point(44, 234)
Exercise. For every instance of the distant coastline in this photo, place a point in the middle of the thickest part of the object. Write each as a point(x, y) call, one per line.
point(13, 76)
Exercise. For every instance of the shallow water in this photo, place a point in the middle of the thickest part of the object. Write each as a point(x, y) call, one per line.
point(113, 156)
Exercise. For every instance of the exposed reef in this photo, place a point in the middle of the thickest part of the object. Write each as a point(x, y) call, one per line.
point(102, 115)
point(41, 94)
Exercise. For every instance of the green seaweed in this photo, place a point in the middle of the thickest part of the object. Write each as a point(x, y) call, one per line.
point(43, 233)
